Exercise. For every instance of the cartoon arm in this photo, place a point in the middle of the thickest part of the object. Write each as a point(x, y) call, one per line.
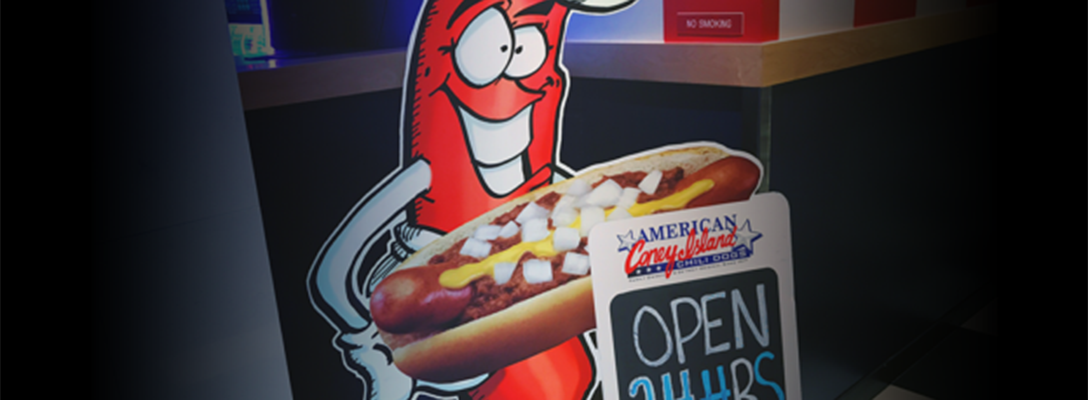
point(343, 298)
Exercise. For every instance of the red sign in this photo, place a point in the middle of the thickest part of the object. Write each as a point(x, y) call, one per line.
point(717, 21)
point(710, 24)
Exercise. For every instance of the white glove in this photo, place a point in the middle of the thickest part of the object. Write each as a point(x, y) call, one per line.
point(338, 293)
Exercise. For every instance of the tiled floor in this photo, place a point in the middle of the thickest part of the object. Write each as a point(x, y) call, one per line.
point(960, 367)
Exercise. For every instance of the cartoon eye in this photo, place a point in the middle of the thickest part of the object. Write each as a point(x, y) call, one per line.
point(529, 52)
point(484, 49)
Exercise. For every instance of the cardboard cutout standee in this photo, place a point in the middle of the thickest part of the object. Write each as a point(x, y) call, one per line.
point(483, 97)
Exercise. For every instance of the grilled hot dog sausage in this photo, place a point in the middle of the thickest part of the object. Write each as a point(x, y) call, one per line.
point(734, 180)
point(411, 300)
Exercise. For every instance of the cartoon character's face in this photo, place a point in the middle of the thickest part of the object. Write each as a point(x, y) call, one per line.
point(482, 103)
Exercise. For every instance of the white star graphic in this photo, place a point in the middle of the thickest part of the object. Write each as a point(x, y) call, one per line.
point(626, 241)
point(745, 236)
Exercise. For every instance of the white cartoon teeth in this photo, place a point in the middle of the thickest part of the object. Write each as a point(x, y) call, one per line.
point(497, 148)
point(504, 178)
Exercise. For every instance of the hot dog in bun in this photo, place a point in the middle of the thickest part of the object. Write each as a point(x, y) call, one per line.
point(515, 281)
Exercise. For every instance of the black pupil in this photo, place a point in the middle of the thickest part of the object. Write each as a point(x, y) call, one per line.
point(517, 50)
point(503, 48)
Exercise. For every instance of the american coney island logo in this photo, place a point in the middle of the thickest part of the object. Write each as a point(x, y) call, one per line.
point(681, 245)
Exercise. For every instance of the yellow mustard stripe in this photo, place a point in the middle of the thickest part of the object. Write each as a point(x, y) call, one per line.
point(674, 201)
point(462, 276)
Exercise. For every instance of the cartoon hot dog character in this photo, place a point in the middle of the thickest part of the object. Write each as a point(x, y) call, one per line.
point(513, 282)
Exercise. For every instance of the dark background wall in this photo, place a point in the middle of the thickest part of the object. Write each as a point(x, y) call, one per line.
point(322, 27)
point(891, 171)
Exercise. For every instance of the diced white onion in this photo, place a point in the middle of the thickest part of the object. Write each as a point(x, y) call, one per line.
point(566, 239)
point(578, 188)
point(504, 271)
point(508, 230)
point(534, 230)
point(476, 248)
point(628, 198)
point(618, 214)
point(564, 216)
point(576, 264)
point(591, 216)
point(582, 202)
point(565, 201)
point(537, 271)
point(607, 194)
point(650, 182)
point(531, 211)
point(487, 232)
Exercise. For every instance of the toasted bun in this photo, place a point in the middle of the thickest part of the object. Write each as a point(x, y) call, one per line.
point(533, 325)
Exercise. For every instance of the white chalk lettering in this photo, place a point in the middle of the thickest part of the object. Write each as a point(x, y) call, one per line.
point(708, 324)
point(664, 330)
point(762, 333)
point(742, 394)
point(680, 338)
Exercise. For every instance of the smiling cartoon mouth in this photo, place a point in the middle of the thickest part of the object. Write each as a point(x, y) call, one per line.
point(498, 149)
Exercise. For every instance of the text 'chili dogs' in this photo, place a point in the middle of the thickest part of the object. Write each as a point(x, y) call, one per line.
point(514, 281)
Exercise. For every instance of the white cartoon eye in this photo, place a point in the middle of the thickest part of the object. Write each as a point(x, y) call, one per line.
point(529, 52)
point(484, 49)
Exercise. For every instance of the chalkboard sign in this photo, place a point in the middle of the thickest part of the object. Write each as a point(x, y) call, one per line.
point(704, 339)
point(713, 321)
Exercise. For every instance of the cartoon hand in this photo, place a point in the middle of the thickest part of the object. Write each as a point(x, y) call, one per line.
point(372, 361)
point(341, 279)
